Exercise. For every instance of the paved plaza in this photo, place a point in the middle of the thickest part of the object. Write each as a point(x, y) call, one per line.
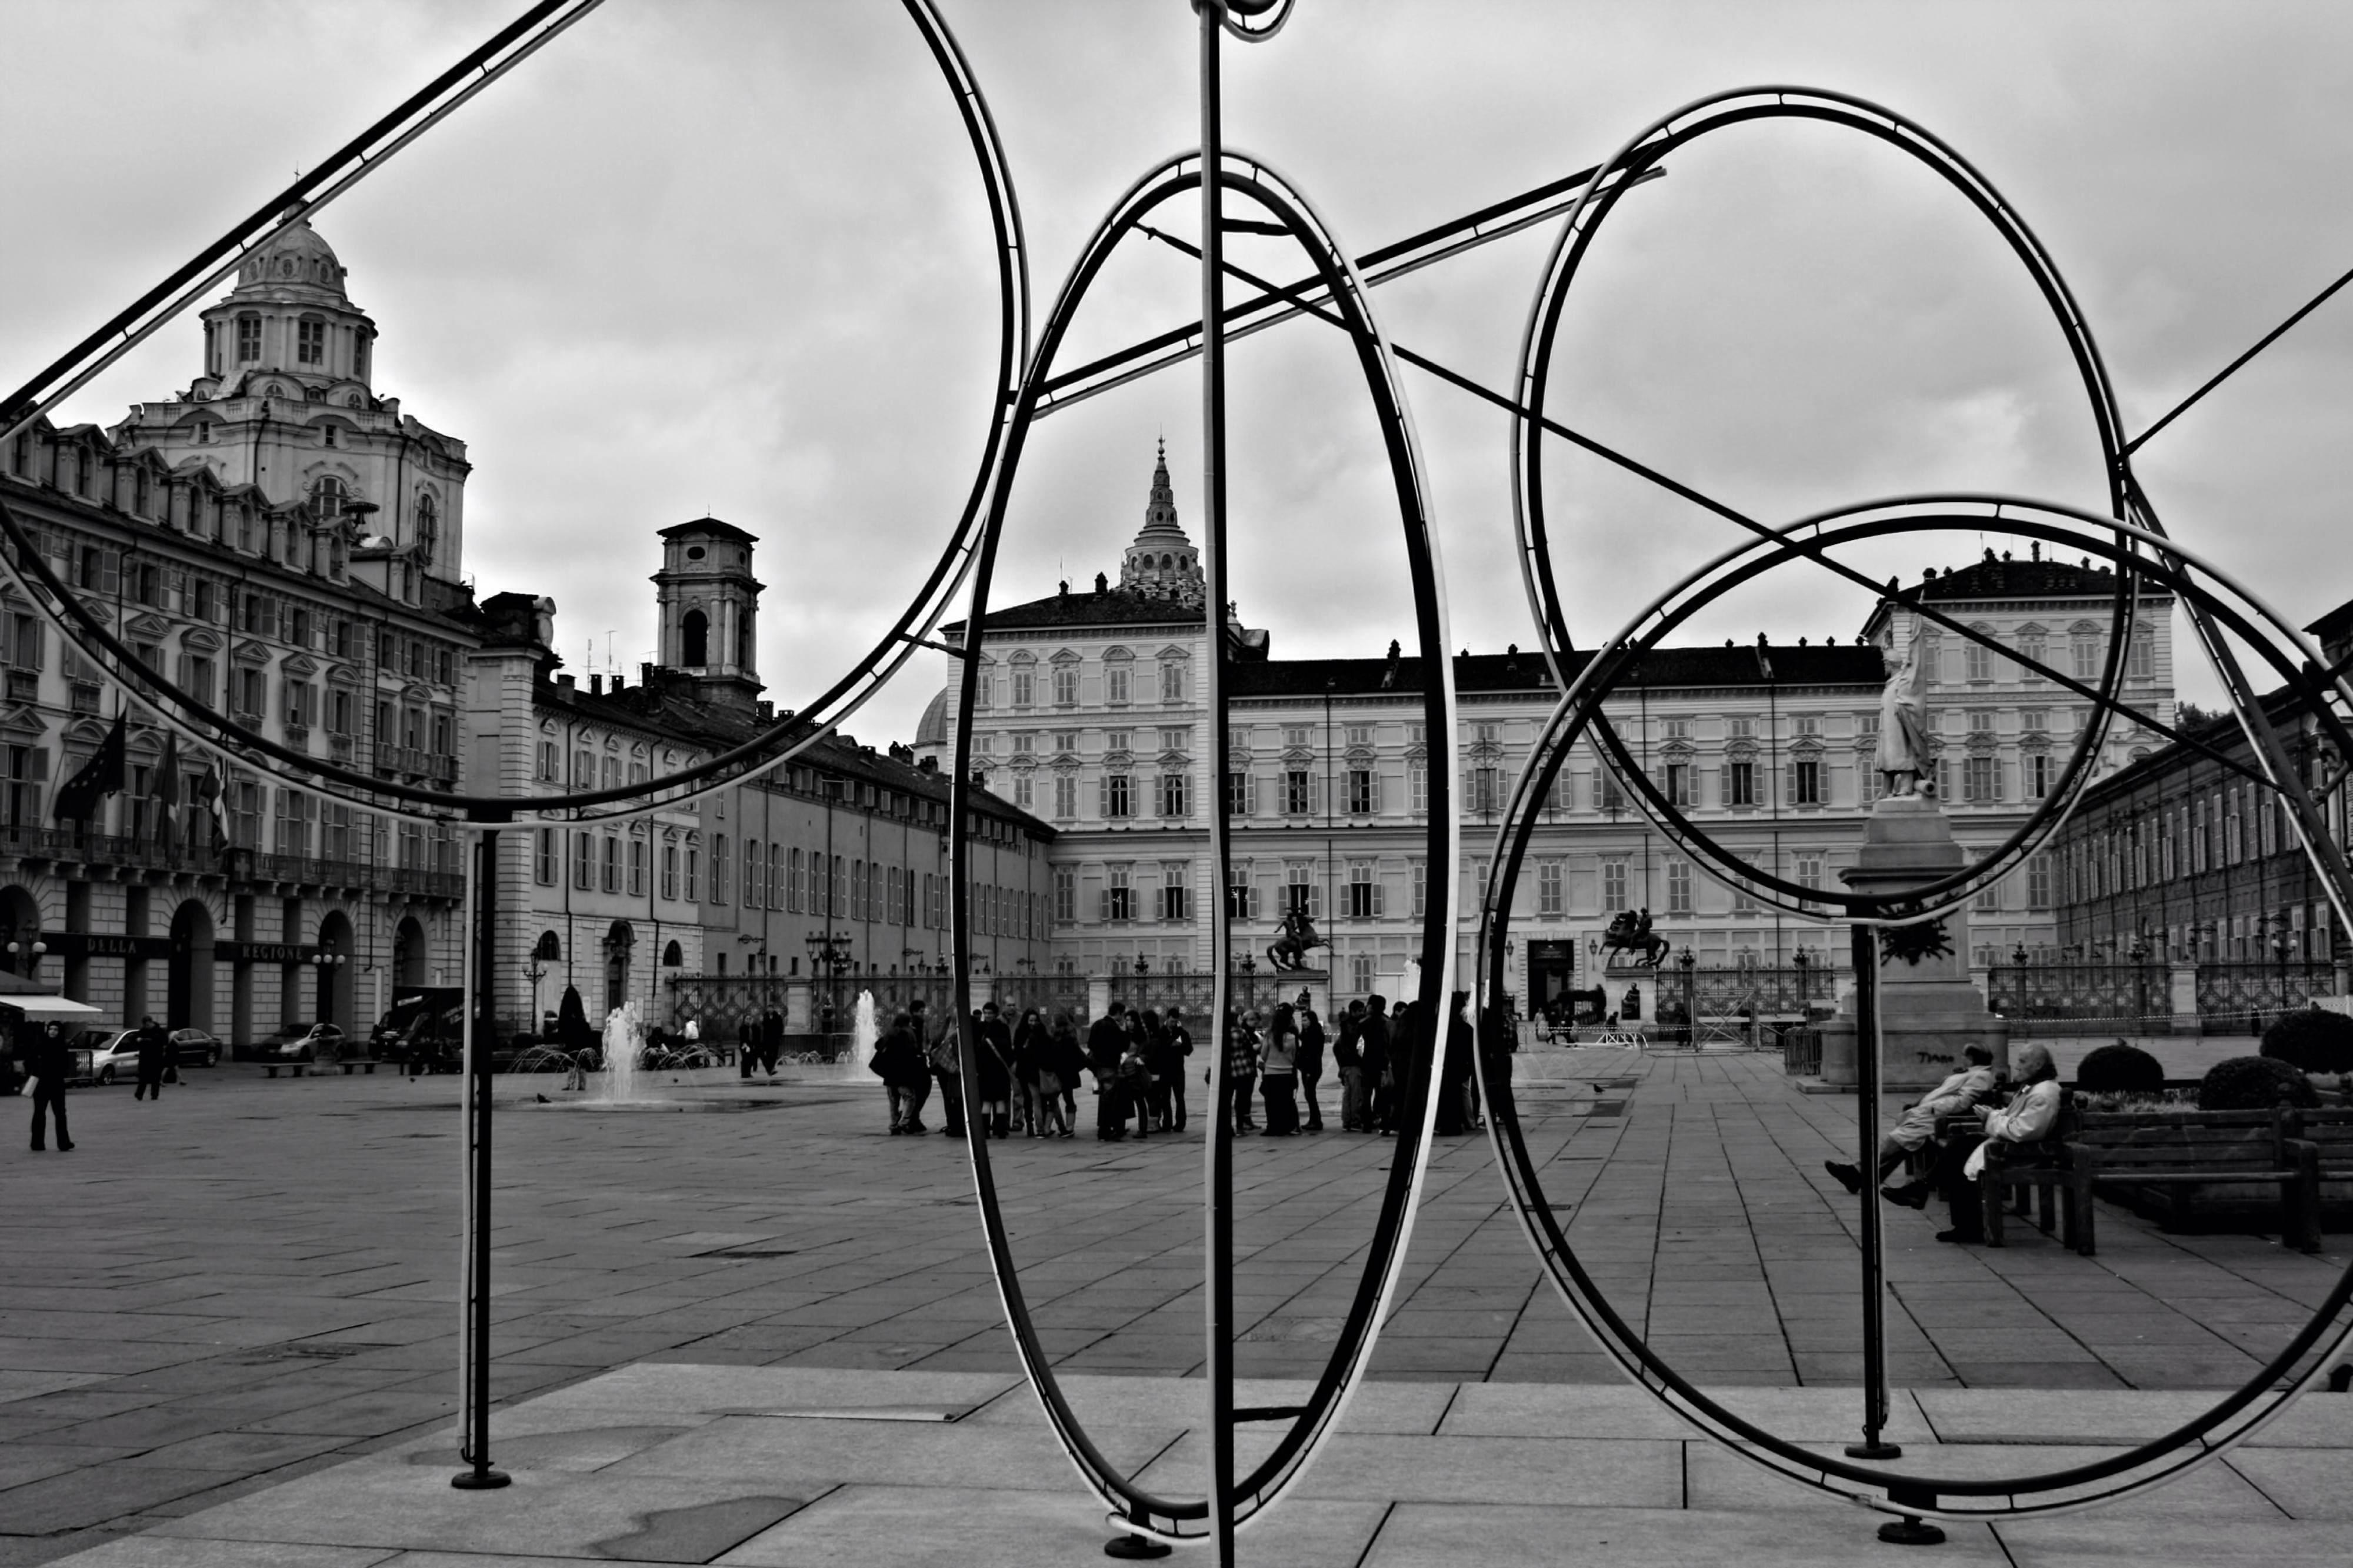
point(237, 1309)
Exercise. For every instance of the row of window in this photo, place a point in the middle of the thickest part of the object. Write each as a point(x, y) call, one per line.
point(1024, 689)
point(2087, 654)
point(2227, 826)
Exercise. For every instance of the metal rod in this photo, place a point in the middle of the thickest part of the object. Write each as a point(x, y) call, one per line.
point(2219, 376)
point(1866, 958)
point(481, 1034)
point(1220, 1144)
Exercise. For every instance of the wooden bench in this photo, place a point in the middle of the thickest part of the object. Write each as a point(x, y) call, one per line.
point(2329, 1129)
point(295, 1068)
point(2039, 1171)
point(2188, 1150)
point(366, 1064)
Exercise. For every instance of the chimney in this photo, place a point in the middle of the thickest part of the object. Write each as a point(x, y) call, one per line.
point(595, 686)
point(767, 711)
point(563, 684)
point(1102, 583)
point(645, 675)
point(617, 683)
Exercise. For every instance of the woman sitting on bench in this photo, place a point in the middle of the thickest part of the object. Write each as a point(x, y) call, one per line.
point(2029, 1117)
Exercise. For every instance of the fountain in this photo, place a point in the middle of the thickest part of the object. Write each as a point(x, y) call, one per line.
point(862, 1040)
point(625, 1042)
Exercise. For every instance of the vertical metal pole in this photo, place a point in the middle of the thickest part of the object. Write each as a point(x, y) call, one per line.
point(1221, 1152)
point(1866, 1159)
point(480, 1035)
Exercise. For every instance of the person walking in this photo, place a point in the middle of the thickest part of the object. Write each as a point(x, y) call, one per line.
point(1070, 1064)
point(1373, 1048)
point(1311, 1060)
point(1344, 1057)
point(898, 1063)
point(1278, 1067)
point(154, 1056)
point(1241, 1070)
point(50, 1065)
point(747, 1043)
point(1454, 1071)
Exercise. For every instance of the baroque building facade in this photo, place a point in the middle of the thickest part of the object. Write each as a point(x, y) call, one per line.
point(1088, 714)
point(232, 534)
point(2188, 859)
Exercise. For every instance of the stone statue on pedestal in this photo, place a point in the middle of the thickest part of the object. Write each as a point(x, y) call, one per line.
point(1902, 759)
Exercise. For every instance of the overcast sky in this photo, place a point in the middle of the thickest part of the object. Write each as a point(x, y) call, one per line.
point(702, 256)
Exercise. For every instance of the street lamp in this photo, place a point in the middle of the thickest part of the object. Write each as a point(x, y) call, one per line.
point(31, 952)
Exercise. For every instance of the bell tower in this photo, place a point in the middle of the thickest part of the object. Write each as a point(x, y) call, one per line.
point(707, 603)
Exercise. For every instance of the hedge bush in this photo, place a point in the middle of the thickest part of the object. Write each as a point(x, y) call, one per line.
point(2311, 1039)
point(2254, 1083)
point(2120, 1068)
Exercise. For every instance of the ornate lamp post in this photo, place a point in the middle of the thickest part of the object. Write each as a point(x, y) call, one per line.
point(31, 953)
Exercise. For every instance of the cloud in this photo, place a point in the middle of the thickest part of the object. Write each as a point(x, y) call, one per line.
point(731, 256)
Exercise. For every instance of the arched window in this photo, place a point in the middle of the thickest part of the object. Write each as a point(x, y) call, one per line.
point(694, 637)
point(549, 949)
point(672, 956)
point(327, 498)
point(428, 529)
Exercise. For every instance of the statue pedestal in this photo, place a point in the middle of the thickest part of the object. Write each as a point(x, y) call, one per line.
point(1274, 985)
point(1930, 1010)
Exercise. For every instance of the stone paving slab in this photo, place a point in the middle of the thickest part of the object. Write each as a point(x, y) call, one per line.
point(597, 1479)
point(187, 1299)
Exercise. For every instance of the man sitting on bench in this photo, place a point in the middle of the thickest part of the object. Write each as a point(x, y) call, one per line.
point(1956, 1094)
point(2029, 1117)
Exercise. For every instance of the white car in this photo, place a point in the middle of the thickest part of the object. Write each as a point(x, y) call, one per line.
point(114, 1054)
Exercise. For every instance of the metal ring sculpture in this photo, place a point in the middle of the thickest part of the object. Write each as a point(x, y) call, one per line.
point(2138, 552)
point(89, 636)
point(2234, 1419)
point(1638, 157)
point(1311, 1424)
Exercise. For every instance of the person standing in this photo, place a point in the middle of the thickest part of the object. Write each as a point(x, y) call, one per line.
point(1032, 1048)
point(1241, 1070)
point(154, 1056)
point(1454, 1071)
point(1373, 1047)
point(747, 1043)
point(919, 1029)
point(1278, 1069)
point(1344, 1057)
point(772, 1039)
point(947, 1068)
point(1106, 1044)
point(1176, 1044)
point(993, 1060)
point(50, 1064)
point(1310, 1060)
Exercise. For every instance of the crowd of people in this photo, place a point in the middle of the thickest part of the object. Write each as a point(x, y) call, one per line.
point(1029, 1069)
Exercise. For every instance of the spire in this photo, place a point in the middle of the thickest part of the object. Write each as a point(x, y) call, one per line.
point(1162, 562)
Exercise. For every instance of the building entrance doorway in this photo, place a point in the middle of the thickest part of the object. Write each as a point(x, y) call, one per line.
point(188, 985)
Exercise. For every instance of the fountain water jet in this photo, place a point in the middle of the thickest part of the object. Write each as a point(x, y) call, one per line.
point(625, 1042)
point(862, 1040)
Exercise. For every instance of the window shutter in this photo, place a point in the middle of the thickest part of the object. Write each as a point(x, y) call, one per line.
point(1315, 793)
point(1102, 903)
point(1375, 775)
point(1103, 795)
point(1380, 897)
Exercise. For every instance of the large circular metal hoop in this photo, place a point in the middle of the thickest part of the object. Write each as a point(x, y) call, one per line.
point(1315, 1421)
point(1593, 204)
point(84, 632)
point(2236, 1417)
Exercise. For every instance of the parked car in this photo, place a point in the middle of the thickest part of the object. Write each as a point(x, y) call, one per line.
point(113, 1054)
point(194, 1049)
point(300, 1043)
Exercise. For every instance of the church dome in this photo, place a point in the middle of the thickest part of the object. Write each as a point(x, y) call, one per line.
point(296, 258)
point(932, 731)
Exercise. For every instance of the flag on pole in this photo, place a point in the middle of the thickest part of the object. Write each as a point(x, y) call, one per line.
point(166, 792)
point(79, 797)
point(208, 799)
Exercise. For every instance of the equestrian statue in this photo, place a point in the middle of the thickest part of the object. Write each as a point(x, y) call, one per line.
point(1298, 936)
point(1630, 931)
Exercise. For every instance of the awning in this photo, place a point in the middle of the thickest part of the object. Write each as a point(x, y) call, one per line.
point(50, 1007)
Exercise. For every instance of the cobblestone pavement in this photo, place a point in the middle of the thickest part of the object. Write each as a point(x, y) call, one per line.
point(252, 1279)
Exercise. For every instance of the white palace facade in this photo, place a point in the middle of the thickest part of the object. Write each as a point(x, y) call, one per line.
point(1090, 716)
